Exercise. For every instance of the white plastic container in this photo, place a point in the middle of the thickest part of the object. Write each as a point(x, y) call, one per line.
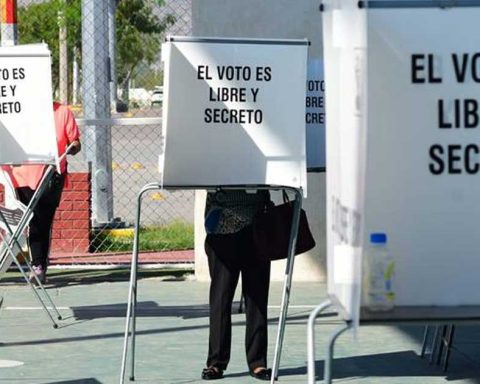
point(379, 275)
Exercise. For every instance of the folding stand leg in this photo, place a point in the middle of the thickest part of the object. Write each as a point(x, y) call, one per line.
point(441, 344)
point(132, 292)
point(448, 347)
point(434, 344)
point(134, 314)
point(328, 359)
point(426, 335)
point(287, 285)
point(311, 339)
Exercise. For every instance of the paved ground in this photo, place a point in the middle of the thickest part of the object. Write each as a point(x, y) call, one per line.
point(186, 256)
point(172, 336)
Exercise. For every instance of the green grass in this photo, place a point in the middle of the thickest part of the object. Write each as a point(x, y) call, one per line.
point(174, 236)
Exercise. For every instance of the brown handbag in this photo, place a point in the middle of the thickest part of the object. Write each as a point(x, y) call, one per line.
point(271, 231)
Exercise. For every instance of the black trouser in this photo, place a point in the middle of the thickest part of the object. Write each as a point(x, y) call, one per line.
point(40, 226)
point(228, 255)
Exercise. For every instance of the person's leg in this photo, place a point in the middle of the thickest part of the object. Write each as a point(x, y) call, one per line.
point(224, 278)
point(35, 226)
point(255, 285)
point(41, 223)
point(49, 204)
point(48, 214)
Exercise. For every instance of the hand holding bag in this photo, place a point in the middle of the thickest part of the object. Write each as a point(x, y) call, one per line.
point(271, 231)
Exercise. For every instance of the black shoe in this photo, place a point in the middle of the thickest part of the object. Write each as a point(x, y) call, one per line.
point(212, 373)
point(262, 374)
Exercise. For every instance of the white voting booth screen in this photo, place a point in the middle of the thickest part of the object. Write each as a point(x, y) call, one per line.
point(234, 112)
point(315, 115)
point(344, 54)
point(27, 130)
point(418, 178)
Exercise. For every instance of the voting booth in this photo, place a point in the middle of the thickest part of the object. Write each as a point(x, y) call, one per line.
point(26, 115)
point(233, 112)
point(403, 145)
point(315, 116)
point(27, 136)
point(233, 118)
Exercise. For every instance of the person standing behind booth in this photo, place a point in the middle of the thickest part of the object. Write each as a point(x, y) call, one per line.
point(229, 247)
point(26, 179)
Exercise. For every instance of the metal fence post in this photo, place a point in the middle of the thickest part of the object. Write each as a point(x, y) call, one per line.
point(96, 105)
point(63, 57)
point(112, 40)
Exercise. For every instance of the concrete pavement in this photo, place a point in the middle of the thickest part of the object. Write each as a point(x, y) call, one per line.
point(172, 336)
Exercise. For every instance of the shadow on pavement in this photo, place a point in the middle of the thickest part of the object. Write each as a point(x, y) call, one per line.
point(63, 278)
point(394, 364)
point(143, 309)
point(78, 381)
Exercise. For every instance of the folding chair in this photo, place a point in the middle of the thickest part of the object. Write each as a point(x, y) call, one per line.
point(14, 220)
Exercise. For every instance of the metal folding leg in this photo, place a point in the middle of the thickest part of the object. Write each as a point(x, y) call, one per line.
point(331, 344)
point(441, 344)
point(14, 222)
point(426, 335)
point(445, 345)
point(287, 284)
point(448, 346)
point(329, 357)
point(311, 339)
point(434, 344)
point(130, 325)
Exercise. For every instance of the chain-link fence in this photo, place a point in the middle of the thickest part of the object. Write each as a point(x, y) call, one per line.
point(106, 64)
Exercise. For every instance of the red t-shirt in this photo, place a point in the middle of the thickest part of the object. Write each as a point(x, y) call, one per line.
point(67, 131)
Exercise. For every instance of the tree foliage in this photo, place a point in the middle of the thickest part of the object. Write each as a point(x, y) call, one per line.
point(139, 31)
point(40, 22)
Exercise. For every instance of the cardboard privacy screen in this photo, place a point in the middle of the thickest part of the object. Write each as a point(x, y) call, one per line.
point(234, 112)
point(27, 130)
point(403, 149)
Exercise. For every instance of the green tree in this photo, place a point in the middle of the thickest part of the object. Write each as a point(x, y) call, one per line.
point(139, 31)
point(40, 22)
point(147, 76)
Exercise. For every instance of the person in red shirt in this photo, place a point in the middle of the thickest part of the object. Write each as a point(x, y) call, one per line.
point(26, 178)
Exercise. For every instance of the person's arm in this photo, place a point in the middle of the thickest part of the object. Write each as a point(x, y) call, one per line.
point(72, 133)
point(75, 147)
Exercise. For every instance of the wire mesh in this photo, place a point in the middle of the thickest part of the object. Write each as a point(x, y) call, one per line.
point(106, 64)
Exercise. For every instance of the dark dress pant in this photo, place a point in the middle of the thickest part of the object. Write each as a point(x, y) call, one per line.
point(229, 256)
point(40, 227)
